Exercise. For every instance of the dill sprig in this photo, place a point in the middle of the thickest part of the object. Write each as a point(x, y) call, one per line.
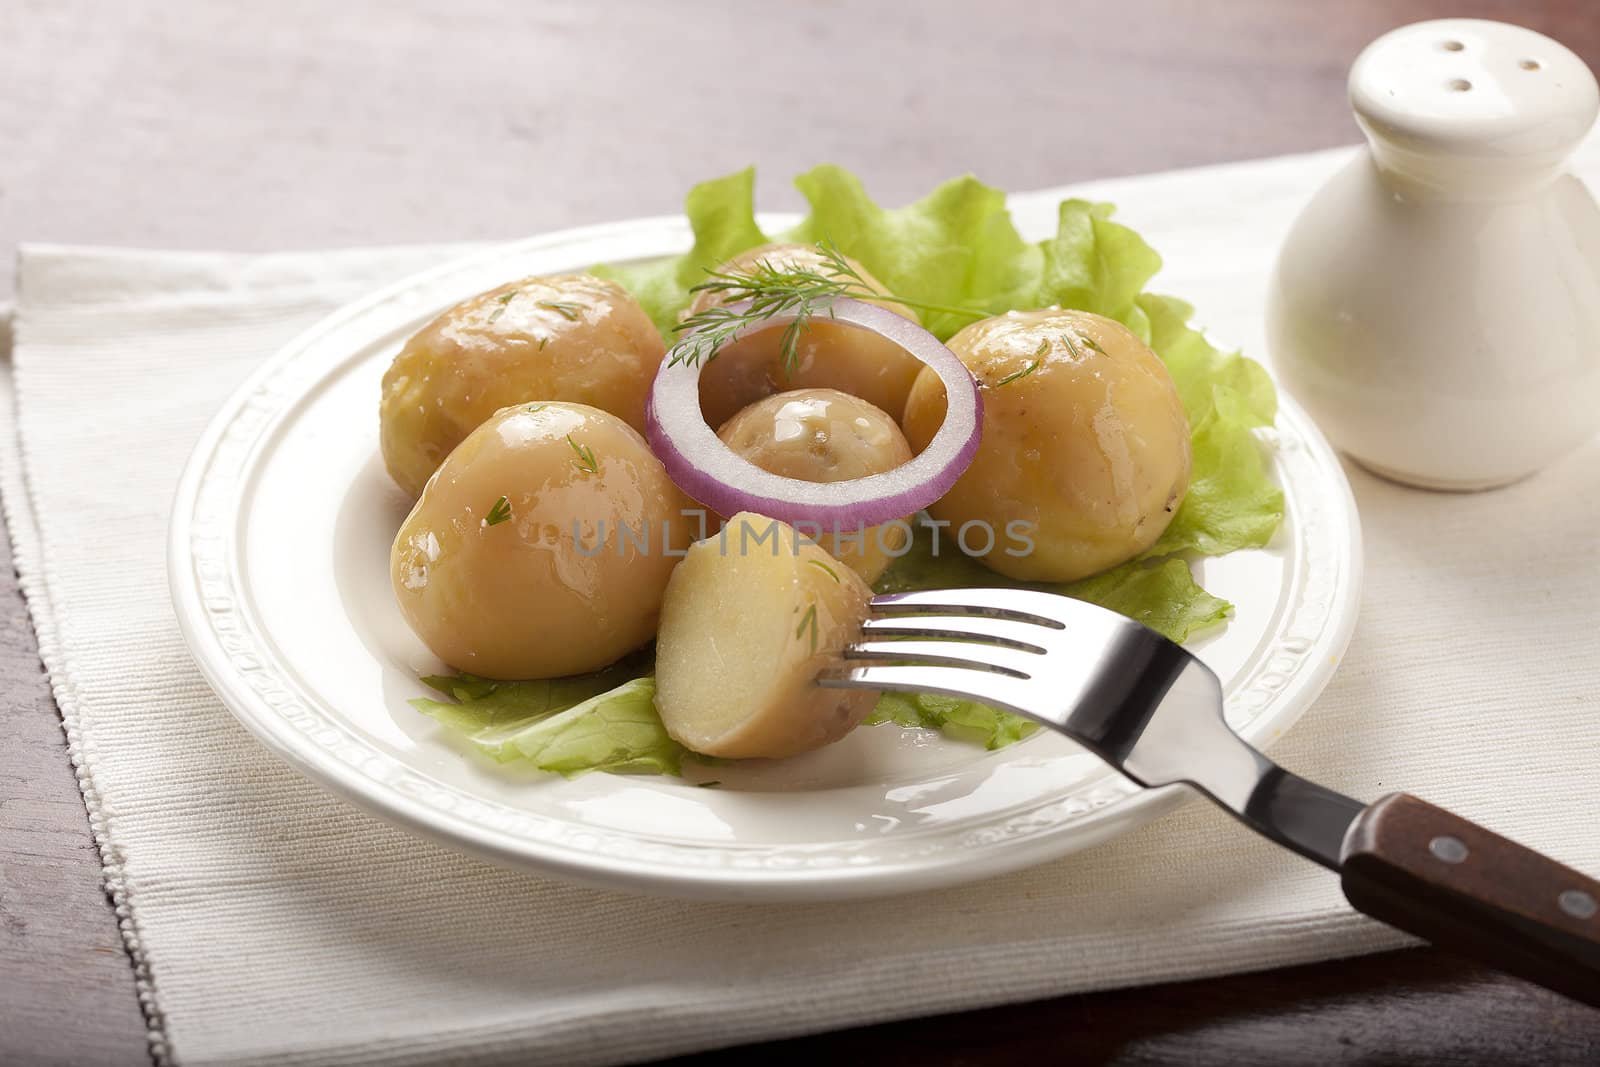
point(1033, 365)
point(585, 461)
point(500, 512)
point(808, 622)
point(502, 300)
point(829, 571)
point(765, 290)
point(565, 308)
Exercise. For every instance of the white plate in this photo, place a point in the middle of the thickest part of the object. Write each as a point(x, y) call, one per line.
point(278, 558)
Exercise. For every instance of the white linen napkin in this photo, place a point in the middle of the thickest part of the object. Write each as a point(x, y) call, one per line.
point(272, 923)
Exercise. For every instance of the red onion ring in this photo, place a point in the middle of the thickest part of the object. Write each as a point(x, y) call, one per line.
point(720, 479)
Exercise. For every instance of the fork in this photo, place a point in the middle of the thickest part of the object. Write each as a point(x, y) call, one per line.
point(1154, 712)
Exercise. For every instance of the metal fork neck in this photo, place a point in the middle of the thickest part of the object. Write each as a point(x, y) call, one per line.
point(1302, 815)
point(1185, 739)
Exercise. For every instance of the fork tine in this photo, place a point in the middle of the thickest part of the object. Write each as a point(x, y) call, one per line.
point(981, 629)
point(949, 653)
point(1018, 605)
point(986, 686)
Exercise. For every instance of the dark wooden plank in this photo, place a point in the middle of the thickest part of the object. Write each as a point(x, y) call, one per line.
point(182, 123)
point(66, 990)
point(1417, 1007)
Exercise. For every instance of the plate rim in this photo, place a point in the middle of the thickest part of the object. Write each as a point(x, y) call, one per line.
point(1127, 808)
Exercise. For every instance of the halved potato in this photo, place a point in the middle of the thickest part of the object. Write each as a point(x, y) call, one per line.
point(832, 355)
point(823, 435)
point(749, 619)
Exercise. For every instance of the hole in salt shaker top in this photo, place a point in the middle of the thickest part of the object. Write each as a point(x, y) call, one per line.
point(1460, 85)
point(1452, 46)
point(1529, 64)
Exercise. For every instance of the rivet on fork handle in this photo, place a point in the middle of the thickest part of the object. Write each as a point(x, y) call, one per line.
point(1467, 889)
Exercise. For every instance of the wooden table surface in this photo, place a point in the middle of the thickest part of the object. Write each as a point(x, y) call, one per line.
point(203, 124)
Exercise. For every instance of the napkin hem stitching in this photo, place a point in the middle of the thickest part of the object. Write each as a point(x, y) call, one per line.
point(20, 518)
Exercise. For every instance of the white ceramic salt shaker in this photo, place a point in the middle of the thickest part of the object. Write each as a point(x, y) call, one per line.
point(1436, 306)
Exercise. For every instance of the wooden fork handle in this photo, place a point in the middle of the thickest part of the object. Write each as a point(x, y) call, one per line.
point(1468, 890)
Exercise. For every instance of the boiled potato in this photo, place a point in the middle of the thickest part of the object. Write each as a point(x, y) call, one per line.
point(514, 564)
point(750, 618)
point(823, 435)
point(830, 354)
point(1085, 443)
point(571, 338)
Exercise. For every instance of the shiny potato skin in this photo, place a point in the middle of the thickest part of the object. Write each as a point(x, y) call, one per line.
point(528, 597)
point(830, 355)
point(573, 338)
point(746, 626)
point(824, 435)
point(1084, 439)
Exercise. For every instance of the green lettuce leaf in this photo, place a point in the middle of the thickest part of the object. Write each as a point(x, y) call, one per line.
point(1160, 593)
point(956, 246)
point(1231, 503)
point(594, 722)
point(722, 213)
point(1199, 368)
point(1094, 264)
point(958, 719)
